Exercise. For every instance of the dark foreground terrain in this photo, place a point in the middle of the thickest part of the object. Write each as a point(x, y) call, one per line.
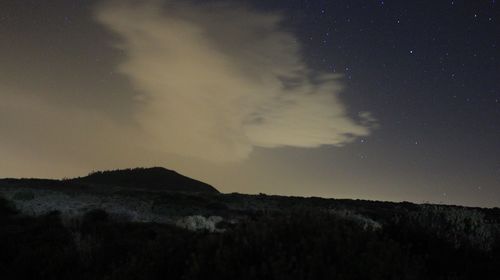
point(256, 237)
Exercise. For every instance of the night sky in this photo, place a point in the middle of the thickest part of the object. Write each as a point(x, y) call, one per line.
point(384, 100)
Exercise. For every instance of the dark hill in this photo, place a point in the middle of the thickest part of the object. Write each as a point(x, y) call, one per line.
point(153, 179)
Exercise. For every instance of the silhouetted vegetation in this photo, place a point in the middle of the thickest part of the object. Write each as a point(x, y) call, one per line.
point(298, 243)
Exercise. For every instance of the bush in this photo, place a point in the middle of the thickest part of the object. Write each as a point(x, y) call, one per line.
point(6, 208)
point(303, 243)
point(461, 227)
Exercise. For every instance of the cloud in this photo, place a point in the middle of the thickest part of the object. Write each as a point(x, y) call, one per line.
point(214, 81)
point(217, 80)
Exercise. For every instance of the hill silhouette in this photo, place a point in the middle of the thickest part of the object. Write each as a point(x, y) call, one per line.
point(152, 223)
point(152, 179)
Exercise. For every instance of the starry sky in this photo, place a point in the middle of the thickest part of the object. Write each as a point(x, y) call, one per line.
point(382, 100)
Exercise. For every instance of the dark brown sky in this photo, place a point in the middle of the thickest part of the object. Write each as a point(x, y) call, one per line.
point(255, 97)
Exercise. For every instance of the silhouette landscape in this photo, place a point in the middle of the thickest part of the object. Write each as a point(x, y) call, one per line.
point(249, 139)
point(152, 223)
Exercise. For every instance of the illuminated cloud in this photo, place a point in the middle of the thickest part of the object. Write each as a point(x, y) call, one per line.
point(218, 80)
point(215, 81)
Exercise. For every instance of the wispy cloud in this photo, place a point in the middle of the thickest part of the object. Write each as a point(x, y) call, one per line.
point(215, 81)
point(219, 79)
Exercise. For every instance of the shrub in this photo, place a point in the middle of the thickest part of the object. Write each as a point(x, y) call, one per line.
point(6, 208)
point(458, 226)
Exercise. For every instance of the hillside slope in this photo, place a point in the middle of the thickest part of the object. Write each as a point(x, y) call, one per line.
point(146, 179)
